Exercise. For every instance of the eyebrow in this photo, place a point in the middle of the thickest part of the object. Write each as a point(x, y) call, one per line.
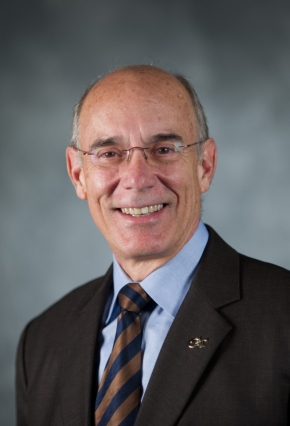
point(167, 136)
point(103, 142)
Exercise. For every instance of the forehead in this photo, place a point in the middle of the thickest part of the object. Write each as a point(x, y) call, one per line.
point(128, 98)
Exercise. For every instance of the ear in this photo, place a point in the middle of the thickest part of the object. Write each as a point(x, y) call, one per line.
point(76, 172)
point(206, 168)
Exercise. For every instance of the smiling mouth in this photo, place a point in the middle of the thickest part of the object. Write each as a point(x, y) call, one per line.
point(143, 211)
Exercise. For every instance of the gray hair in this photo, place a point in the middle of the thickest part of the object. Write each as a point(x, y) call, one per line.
point(75, 143)
point(201, 120)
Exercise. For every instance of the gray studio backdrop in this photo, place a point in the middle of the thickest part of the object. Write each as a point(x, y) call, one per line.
point(237, 55)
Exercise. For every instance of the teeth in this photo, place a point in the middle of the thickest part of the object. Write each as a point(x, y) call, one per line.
point(142, 211)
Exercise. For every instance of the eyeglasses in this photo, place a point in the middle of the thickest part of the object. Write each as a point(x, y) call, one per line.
point(161, 153)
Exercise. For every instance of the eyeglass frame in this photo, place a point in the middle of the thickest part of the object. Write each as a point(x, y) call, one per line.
point(128, 151)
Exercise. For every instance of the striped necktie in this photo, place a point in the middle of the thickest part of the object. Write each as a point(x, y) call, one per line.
point(119, 392)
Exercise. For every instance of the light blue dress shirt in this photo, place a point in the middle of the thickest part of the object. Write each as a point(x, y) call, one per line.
point(167, 286)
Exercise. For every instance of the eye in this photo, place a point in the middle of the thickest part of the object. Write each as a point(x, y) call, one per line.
point(108, 154)
point(164, 149)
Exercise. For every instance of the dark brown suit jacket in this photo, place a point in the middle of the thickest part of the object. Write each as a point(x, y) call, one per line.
point(240, 378)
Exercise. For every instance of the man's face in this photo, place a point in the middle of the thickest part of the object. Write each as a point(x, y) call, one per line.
point(131, 109)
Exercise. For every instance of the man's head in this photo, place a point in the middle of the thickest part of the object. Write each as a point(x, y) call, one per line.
point(141, 106)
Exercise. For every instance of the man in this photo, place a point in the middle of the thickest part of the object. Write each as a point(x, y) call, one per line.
point(216, 324)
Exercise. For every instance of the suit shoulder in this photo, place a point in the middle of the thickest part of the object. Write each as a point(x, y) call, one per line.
point(266, 287)
point(264, 270)
point(252, 279)
point(77, 297)
point(71, 303)
point(249, 266)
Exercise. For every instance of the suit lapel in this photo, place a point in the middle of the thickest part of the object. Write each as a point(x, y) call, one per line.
point(78, 358)
point(179, 368)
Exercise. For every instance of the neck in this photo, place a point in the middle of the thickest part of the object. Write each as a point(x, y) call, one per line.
point(139, 270)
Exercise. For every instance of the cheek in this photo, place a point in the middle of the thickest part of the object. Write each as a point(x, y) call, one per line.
point(185, 178)
point(190, 193)
point(100, 183)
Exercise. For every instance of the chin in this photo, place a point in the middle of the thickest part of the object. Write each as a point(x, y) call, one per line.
point(142, 251)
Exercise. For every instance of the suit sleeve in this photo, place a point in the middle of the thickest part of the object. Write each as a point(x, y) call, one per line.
point(21, 382)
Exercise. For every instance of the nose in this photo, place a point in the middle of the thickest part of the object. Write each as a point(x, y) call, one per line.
point(136, 173)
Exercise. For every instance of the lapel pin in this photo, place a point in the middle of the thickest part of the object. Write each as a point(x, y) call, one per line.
point(197, 342)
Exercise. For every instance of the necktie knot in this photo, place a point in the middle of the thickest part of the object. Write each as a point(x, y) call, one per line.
point(133, 298)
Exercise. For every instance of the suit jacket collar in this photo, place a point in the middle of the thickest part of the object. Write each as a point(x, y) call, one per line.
point(217, 276)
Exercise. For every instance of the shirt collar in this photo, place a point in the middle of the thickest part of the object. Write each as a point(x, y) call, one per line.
point(168, 285)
